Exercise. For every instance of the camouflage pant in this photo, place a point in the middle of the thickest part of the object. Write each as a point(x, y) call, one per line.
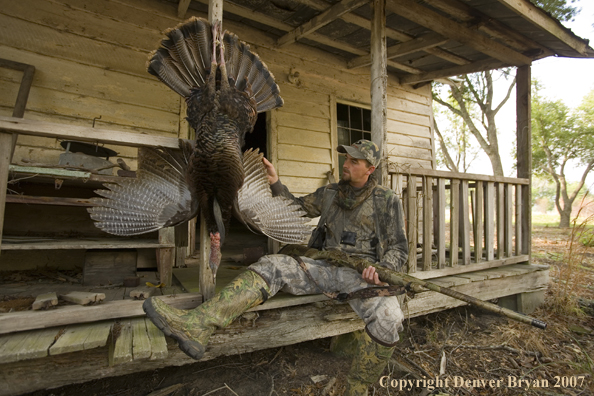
point(382, 315)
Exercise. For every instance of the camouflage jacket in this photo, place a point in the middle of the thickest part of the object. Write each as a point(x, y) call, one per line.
point(374, 230)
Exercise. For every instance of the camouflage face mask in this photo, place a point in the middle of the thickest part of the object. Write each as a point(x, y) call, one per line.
point(349, 198)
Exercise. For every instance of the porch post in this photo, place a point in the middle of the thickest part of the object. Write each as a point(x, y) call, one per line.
point(5, 156)
point(524, 151)
point(206, 281)
point(379, 83)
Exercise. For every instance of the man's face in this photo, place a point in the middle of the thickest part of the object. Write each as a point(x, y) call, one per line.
point(356, 171)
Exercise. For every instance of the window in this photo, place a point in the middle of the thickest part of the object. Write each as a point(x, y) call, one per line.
point(354, 123)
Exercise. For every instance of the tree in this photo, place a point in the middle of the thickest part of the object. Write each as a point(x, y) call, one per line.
point(558, 8)
point(472, 100)
point(455, 140)
point(561, 138)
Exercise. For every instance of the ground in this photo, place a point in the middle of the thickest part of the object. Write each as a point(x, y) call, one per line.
point(465, 344)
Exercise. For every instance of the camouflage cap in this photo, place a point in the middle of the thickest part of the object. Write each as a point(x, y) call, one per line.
point(362, 149)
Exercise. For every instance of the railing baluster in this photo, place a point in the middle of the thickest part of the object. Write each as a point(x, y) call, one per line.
point(454, 220)
point(518, 219)
point(427, 221)
point(411, 194)
point(465, 222)
point(509, 213)
point(441, 223)
point(478, 222)
point(489, 220)
point(500, 220)
point(397, 184)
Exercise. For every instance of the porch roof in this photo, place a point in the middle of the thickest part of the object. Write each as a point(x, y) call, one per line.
point(426, 40)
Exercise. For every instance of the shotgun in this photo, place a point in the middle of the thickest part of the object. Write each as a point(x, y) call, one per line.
point(400, 279)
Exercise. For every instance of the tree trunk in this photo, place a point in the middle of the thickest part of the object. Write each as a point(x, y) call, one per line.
point(565, 218)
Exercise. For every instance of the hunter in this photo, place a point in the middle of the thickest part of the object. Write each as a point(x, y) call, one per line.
point(357, 217)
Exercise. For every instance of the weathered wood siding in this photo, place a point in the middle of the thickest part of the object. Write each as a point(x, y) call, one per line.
point(90, 61)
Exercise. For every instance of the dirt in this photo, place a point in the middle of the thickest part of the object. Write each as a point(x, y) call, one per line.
point(464, 343)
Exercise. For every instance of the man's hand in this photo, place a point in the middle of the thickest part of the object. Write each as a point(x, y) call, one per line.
point(270, 171)
point(371, 277)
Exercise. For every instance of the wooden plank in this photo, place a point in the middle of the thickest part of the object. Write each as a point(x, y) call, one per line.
point(206, 276)
point(59, 201)
point(26, 345)
point(524, 144)
point(157, 340)
point(83, 298)
point(141, 343)
point(427, 221)
point(83, 134)
point(441, 223)
point(166, 256)
point(182, 8)
point(61, 316)
point(72, 340)
point(120, 350)
point(500, 213)
point(478, 221)
point(97, 334)
point(412, 223)
point(319, 21)
point(473, 276)
point(26, 243)
point(108, 267)
point(44, 301)
point(5, 156)
point(305, 154)
point(489, 220)
point(465, 222)
point(451, 29)
point(467, 176)
point(541, 19)
point(454, 221)
point(518, 222)
point(509, 213)
point(482, 65)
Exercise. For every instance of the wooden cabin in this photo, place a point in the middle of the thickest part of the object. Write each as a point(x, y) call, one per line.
point(73, 71)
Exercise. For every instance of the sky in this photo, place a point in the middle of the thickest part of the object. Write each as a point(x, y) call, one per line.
point(568, 79)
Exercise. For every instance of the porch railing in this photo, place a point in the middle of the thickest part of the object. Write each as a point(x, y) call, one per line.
point(461, 222)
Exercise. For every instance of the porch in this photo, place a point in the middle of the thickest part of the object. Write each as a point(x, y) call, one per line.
point(114, 338)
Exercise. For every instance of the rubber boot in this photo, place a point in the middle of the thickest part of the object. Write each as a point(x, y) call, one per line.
point(193, 328)
point(368, 365)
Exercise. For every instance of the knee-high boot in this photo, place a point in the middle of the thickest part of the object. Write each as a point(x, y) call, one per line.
point(368, 364)
point(193, 328)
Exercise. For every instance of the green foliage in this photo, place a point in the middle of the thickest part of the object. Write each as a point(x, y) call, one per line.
point(560, 9)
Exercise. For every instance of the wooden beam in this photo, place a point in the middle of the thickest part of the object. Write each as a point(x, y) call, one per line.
point(464, 176)
point(423, 16)
point(540, 18)
point(524, 144)
point(252, 15)
point(379, 87)
point(84, 134)
point(5, 154)
point(408, 47)
point(73, 314)
point(391, 33)
point(319, 21)
point(482, 65)
point(58, 201)
point(215, 11)
point(182, 8)
point(490, 26)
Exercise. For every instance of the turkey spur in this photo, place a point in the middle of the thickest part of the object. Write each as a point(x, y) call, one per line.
point(225, 85)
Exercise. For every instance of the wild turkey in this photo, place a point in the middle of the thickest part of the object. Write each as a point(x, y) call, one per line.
point(223, 96)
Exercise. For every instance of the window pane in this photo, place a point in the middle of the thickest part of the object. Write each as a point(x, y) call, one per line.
point(356, 119)
point(356, 135)
point(343, 136)
point(366, 120)
point(367, 135)
point(342, 115)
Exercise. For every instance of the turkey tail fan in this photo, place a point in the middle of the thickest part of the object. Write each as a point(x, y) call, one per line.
point(158, 197)
point(184, 58)
point(277, 217)
point(246, 69)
